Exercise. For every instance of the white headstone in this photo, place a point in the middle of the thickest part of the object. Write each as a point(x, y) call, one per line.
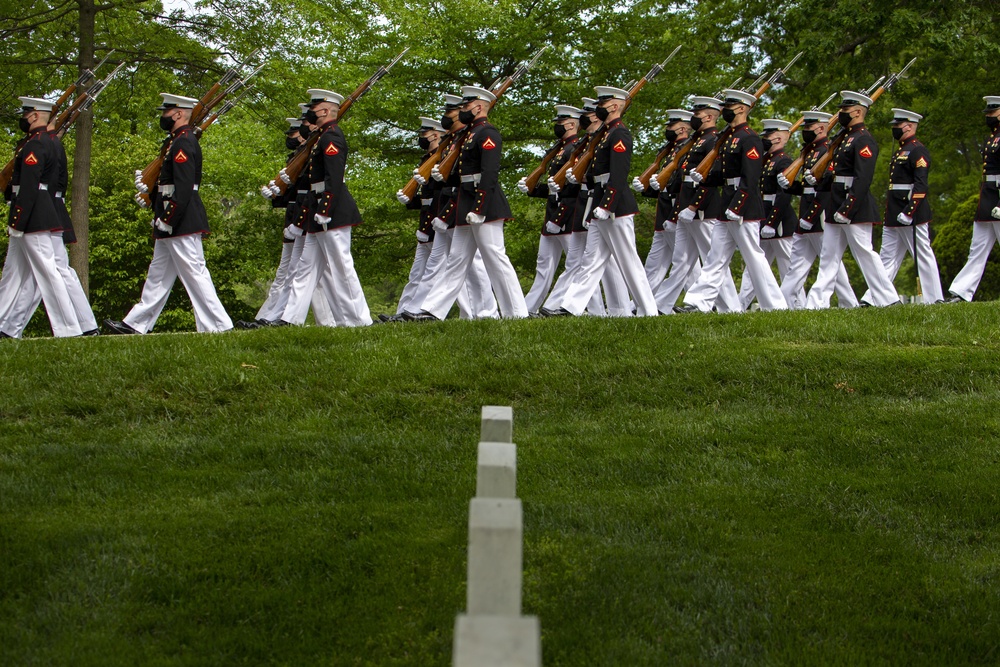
point(497, 424)
point(496, 470)
point(497, 641)
point(496, 532)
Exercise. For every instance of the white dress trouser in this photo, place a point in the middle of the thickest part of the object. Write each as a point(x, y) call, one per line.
point(726, 238)
point(660, 253)
point(416, 273)
point(300, 264)
point(181, 257)
point(984, 235)
point(19, 293)
point(550, 250)
point(488, 239)
point(475, 300)
point(575, 251)
point(805, 249)
point(776, 251)
point(692, 244)
point(277, 295)
point(615, 238)
point(896, 242)
point(326, 261)
point(32, 262)
point(836, 239)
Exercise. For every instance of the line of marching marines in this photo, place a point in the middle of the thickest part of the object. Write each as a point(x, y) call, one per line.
point(743, 202)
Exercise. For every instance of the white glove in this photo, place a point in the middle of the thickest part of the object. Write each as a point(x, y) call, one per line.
point(570, 178)
point(602, 213)
point(266, 192)
point(553, 186)
point(141, 187)
point(292, 232)
point(805, 224)
point(654, 183)
point(423, 237)
point(842, 219)
point(586, 224)
point(810, 179)
point(768, 232)
point(162, 226)
point(283, 175)
point(418, 178)
point(996, 212)
point(687, 215)
point(522, 185)
point(140, 201)
point(322, 219)
point(403, 199)
point(138, 174)
point(439, 224)
point(696, 177)
point(436, 174)
point(669, 226)
point(783, 182)
point(907, 220)
point(733, 215)
point(474, 219)
point(13, 233)
point(637, 184)
point(552, 228)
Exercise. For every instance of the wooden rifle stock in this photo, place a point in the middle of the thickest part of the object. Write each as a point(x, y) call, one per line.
point(425, 167)
point(536, 175)
point(578, 150)
point(824, 162)
point(664, 176)
point(645, 176)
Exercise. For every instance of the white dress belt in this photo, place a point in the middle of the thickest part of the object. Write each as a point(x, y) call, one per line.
point(426, 202)
point(902, 187)
point(168, 190)
point(809, 191)
point(846, 181)
point(770, 198)
point(602, 179)
point(472, 178)
point(59, 195)
point(733, 182)
point(43, 186)
point(318, 188)
point(993, 178)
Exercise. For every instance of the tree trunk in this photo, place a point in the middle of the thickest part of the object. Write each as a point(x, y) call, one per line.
point(84, 130)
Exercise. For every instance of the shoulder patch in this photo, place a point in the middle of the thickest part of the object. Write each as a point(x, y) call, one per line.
point(489, 145)
point(331, 149)
point(31, 159)
point(753, 154)
point(181, 157)
point(921, 163)
point(865, 152)
point(619, 147)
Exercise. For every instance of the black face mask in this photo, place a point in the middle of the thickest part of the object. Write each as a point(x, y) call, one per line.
point(291, 143)
point(466, 117)
point(23, 125)
point(584, 123)
point(166, 123)
point(695, 123)
point(768, 144)
point(602, 113)
point(311, 117)
point(992, 122)
point(808, 136)
point(424, 143)
point(897, 133)
point(304, 131)
point(447, 122)
point(844, 118)
point(669, 135)
point(560, 130)
point(728, 115)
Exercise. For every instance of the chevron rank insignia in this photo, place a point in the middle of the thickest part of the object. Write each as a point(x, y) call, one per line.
point(488, 145)
point(865, 152)
point(181, 157)
point(753, 154)
point(921, 163)
point(331, 150)
point(31, 159)
point(619, 147)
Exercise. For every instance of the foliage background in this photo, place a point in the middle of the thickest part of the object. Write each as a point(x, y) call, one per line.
point(184, 46)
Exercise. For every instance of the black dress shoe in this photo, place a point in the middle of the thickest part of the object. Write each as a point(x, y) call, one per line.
point(119, 328)
point(535, 316)
point(243, 324)
point(559, 312)
point(279, 323)
point(3, 335)
point(864, 304)
point(382, 317)
point(420, 317)
point(92, 332)
point(686, 308)
point(954, 298)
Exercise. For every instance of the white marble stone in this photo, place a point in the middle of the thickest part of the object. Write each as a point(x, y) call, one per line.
point(496, 470)
point(497, 641)
point(497, 424)
point(496, 532)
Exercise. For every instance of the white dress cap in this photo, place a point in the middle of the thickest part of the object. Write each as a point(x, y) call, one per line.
point(905, 116)
point(470, 93)
point(176, 102)
point(317, 95)
point(810, 117)
point(589, 104)
point(293, 123)
point(733, 96)
point(773, 124)
point(706, 103)
point(610, 93)
point(451, 101)
point(566, 111)
point(430, 124)
point(852, 98)
point(29, 104)
point(678, 115)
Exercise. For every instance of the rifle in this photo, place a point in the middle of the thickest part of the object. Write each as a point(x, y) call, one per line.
point(291, 171)
point(147, 178)
point(536, 174)
point(498, 88)
point(583, 163)
point(425, 167)
point(664, 176)
point(824, 162)
point(226, 108)
point(86, 76)
point(83, 103)
point(793, 169)
point(709, 160)
point(645, 176)
point(578, 150)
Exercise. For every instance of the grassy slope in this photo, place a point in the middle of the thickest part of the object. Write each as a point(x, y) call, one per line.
point(783, 487)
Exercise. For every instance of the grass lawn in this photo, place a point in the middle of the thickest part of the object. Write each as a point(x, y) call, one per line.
point(769, 488)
